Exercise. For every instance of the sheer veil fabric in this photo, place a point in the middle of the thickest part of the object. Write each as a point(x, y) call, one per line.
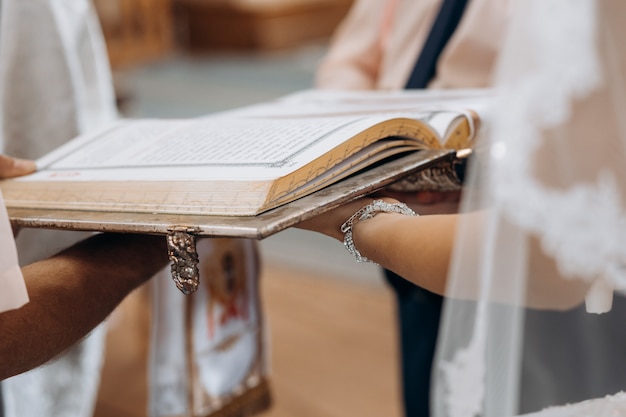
point(544, 224)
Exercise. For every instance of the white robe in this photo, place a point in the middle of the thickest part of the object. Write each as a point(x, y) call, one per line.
point(56, 83)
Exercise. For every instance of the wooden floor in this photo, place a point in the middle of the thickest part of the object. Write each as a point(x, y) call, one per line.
point(333, 351)
point(333, 347)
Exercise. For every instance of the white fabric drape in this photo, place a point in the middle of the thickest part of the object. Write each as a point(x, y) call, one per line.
point(545, 222)
point(207, 350)
point(56, 83)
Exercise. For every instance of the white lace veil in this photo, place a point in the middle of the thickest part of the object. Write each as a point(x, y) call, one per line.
point(544, 228)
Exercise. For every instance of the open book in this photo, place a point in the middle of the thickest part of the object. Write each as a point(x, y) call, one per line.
point(243, 162)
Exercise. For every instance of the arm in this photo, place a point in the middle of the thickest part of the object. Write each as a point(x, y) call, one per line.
point(71, 293)
point(397, 242)
point(420, 249)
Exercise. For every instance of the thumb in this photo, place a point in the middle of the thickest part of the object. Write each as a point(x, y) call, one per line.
point(14, 167)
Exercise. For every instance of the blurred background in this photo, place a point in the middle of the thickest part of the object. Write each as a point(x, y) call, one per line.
point(331, 321)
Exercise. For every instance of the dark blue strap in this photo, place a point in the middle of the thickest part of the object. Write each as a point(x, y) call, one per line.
point(441, 31)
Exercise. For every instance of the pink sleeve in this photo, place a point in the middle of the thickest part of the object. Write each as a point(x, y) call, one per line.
point(12, 287)
point(354, 57)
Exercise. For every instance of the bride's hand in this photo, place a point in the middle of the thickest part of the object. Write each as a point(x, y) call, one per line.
point(329, 223)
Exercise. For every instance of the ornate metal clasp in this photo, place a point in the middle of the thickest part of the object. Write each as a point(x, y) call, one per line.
point(181, 250)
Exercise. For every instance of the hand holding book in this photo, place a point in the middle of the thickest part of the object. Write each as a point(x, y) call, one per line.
point(14, 167)
point(417, 248)
point(248, 161)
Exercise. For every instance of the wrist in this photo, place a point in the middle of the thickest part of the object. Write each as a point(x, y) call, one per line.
point(128, 260)
point(367, 212)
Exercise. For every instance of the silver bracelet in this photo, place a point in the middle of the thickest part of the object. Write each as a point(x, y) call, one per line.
point(367, 212)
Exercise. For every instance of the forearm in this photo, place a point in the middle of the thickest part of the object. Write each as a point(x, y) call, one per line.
point(71, 293)
point(416, 248)
point(420, 249)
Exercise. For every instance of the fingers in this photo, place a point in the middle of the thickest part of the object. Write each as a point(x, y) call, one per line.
point(427, 202)
point(434, 197)
point(15, 167)
point(329, 223)
point(423, 197)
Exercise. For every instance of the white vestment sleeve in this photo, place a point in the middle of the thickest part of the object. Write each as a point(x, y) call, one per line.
point(12, 287)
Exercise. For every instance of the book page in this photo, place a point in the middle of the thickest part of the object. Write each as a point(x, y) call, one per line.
point(439, 108)
point(311, 103)
point(209, 148)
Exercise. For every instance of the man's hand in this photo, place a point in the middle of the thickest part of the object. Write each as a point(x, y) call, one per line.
point(15, 167)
